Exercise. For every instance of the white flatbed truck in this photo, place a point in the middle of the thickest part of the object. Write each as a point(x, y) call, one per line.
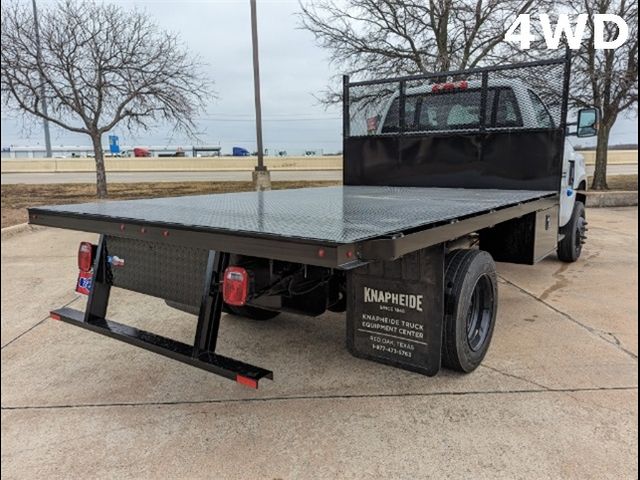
point(443, 174)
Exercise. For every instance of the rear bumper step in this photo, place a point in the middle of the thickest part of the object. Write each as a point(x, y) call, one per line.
point(243, 373)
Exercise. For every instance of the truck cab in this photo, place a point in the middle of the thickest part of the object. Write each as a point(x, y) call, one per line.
point(511, 105)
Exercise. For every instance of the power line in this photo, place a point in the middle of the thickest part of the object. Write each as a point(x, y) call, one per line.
point(275, 114)
point(251, 120)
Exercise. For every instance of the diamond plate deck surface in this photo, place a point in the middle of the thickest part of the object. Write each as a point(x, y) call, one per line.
point(343, 214)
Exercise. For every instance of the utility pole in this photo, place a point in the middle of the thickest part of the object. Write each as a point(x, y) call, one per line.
point(45, 122)
point(261, 176)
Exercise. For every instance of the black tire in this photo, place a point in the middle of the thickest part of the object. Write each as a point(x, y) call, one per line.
point(253, 313)
point(570, 247)
point(471, 304)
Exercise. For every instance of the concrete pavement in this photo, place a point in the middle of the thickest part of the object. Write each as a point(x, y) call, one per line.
point(555, 398)
point(132, 177)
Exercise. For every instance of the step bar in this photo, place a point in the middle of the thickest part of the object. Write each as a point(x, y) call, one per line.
point(202, 354)
point(243, 373)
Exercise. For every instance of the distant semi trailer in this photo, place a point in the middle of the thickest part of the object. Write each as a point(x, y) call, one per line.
point(240, 152)
point(141, 152)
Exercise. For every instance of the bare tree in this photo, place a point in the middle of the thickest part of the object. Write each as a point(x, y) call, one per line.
point(373, 38)
point(607, 79)
point(98, 66)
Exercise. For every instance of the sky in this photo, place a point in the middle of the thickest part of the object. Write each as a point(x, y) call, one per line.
point(293, 70)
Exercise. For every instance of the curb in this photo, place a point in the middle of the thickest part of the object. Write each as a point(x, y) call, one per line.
point(612, 199)
point(14, 230)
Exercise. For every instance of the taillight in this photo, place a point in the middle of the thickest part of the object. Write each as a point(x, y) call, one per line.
point(235, 286)
point(85, 256)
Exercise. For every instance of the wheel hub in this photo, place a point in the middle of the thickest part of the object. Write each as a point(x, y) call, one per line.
point(479, 315)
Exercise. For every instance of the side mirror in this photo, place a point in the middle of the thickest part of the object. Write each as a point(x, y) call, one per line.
point(588, 119)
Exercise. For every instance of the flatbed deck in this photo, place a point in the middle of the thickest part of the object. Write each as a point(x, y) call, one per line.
point(326, 226)
point(325, 215)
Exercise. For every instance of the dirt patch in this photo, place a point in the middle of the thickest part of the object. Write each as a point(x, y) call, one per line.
point(623, 182)
point(16, 198)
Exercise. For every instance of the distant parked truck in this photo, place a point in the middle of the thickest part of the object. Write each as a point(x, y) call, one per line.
point(240, 152)
point(206, 151)
point(141, 152)
point(178, 153)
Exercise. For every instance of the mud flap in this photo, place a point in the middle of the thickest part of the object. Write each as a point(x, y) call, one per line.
point(395, 311)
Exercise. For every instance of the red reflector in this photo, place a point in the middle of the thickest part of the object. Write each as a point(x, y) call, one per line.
point(436, 88)
point(247, 382)
point(463, 85)
point(448, 86)
point(85, 256)
point(235, 286)
point(54, 316)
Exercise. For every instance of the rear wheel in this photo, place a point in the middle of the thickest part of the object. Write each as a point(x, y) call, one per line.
point(471, 302)
point(253, 313)
point(570, 247)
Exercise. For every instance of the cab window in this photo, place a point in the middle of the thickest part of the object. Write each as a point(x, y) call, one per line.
point(392, 120)
point(543, 118)
point(507, 113)
point(457, 110)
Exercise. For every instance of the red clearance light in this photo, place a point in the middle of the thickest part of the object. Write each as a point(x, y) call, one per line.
point(449, 86)
point(54, 316)
point(235, 286)
point(85, 256)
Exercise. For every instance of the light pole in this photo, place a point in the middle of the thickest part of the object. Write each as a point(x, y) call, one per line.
point(45, 122)
point(261, 177)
